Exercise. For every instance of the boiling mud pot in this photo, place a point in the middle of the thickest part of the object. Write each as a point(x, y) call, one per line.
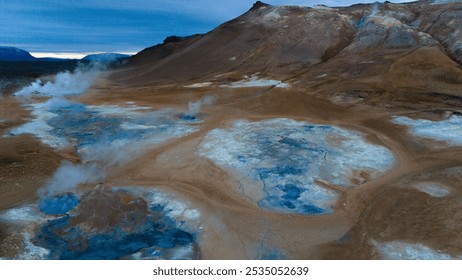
point(112, 225)
point(280, 160)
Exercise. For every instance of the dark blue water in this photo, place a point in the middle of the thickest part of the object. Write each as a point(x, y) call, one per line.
point(152, 234)
point(83, 126)
point(294, 159)
point(73, 243)
point(59, 204)
point(291, 191)
point(290, 204)
point(361, 22)
point(187, 117)
point(312, 209)
point(242, 158)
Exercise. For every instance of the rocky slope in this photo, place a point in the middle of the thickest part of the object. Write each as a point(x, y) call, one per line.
point(370, 51)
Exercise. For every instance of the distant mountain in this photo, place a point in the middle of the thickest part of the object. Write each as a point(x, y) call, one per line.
point(15, 54)
point(55, 59)
point(105, 57)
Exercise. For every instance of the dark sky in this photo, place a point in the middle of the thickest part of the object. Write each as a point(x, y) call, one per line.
point(80, 26)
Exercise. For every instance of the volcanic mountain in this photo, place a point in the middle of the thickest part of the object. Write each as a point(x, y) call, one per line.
point(369, 50)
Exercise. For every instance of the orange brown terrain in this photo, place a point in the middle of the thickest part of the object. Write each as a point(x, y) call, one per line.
point(287, 133)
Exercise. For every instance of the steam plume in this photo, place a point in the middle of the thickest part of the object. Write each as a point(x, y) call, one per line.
point(65, 83)
point(195, 107)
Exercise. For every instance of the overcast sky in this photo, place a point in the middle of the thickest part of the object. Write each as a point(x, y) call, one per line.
point(82, 26)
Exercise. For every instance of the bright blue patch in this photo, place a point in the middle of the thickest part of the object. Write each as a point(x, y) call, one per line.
point(157, 207)
point(294, 155)
point(150, 236)
point(86, 127)
point(241, 158)
point(291, 191)
point(83, 126)
point(294, 142)
point(187, 117)
point(287, 204)
point(361, 22)
point(287, 199)
point(311, 209)
point(281, 171)
point(60, 204)
point(71, 243)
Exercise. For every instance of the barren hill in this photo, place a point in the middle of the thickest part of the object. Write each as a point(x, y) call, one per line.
point(382, 48)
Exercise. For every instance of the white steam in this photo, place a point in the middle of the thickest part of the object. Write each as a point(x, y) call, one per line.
point(115, 153)
point(96, 160)
point(99, 155)
point(194, 107)
point(65, 83)
point(69, 176)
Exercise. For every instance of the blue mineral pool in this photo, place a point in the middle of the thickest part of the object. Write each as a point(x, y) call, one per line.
point(62, 123)
point(278, 161)
point(65, 242)
point(58, 204)
point(147, 231)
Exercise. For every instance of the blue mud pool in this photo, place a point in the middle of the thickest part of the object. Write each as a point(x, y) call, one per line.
point(278, 161)
point(131, 230)
point(58, 204)
point(62, 123)
point(87, 126)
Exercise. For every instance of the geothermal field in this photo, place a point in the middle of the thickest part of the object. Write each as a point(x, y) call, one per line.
point(287, 133)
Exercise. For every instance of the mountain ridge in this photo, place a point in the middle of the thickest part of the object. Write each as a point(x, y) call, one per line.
point(14, 54)
point(281, 40)
point(8, 53)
